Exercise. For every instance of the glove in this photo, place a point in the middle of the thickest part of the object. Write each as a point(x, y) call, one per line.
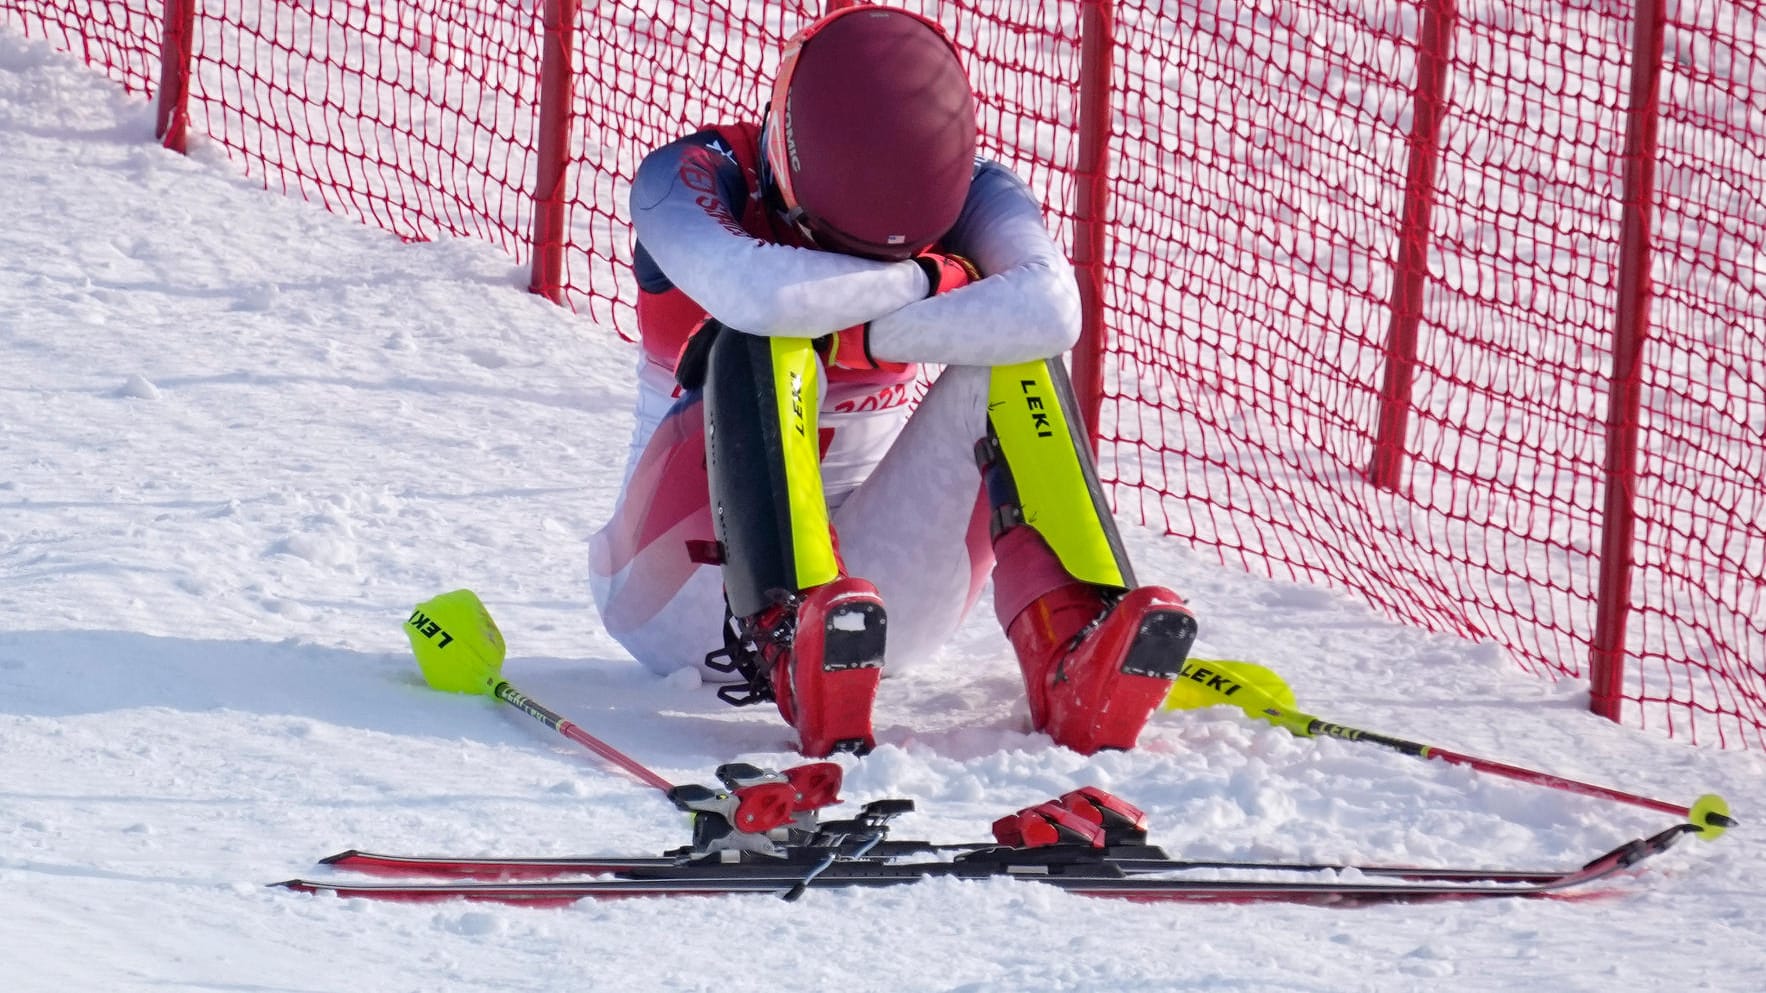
point(946, 271)
point(851, 349)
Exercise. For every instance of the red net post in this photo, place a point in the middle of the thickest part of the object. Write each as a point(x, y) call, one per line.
point(1411, 268)
point(1090, 251)
point(173, 118)
point(552, 165)
point(1630, 331)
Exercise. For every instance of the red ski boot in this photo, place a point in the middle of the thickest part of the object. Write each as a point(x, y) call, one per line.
point(823, 655)
point(1097, 665)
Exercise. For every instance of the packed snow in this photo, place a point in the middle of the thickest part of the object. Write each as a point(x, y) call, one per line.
point(243, 437)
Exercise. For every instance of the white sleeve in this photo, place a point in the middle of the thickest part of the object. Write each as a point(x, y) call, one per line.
point(1026, 308)
point(749, 284)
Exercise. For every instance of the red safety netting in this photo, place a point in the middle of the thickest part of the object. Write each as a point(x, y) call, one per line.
point(1261, 186)
point(119, 38)
point(1697, 641)
point(1263, 163)
point(416, 118)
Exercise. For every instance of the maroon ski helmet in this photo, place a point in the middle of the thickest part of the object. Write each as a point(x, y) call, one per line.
point(871, 133)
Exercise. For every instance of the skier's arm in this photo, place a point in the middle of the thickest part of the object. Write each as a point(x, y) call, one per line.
point(686, 200)
point(1026, 307)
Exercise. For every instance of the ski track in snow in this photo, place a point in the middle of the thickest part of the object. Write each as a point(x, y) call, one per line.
point(242, 437)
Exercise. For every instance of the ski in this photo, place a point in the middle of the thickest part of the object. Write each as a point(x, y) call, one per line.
point(762, 833)
point(1132, 860)
point(1065, 867)
point(553, 867)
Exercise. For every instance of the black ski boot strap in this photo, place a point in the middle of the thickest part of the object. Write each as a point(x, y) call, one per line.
point(741, 654)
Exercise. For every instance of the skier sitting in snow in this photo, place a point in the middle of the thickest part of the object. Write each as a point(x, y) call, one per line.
point(792, 275)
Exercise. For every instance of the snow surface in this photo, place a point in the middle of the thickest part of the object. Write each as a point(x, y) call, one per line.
point(240, 438)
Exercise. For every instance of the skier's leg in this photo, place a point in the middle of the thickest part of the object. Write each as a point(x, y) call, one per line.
point(662, 606)
point(810, 636)
point(1097, 652)
point(915, 527)
point(1063, 588)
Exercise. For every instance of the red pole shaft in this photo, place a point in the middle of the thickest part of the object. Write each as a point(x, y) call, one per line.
point(532, 708)
point(1317, 727)
point(1557, 782)
point(614, 755)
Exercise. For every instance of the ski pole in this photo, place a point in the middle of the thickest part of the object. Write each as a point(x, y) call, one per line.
point(460, 650)
point(1262, 694)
